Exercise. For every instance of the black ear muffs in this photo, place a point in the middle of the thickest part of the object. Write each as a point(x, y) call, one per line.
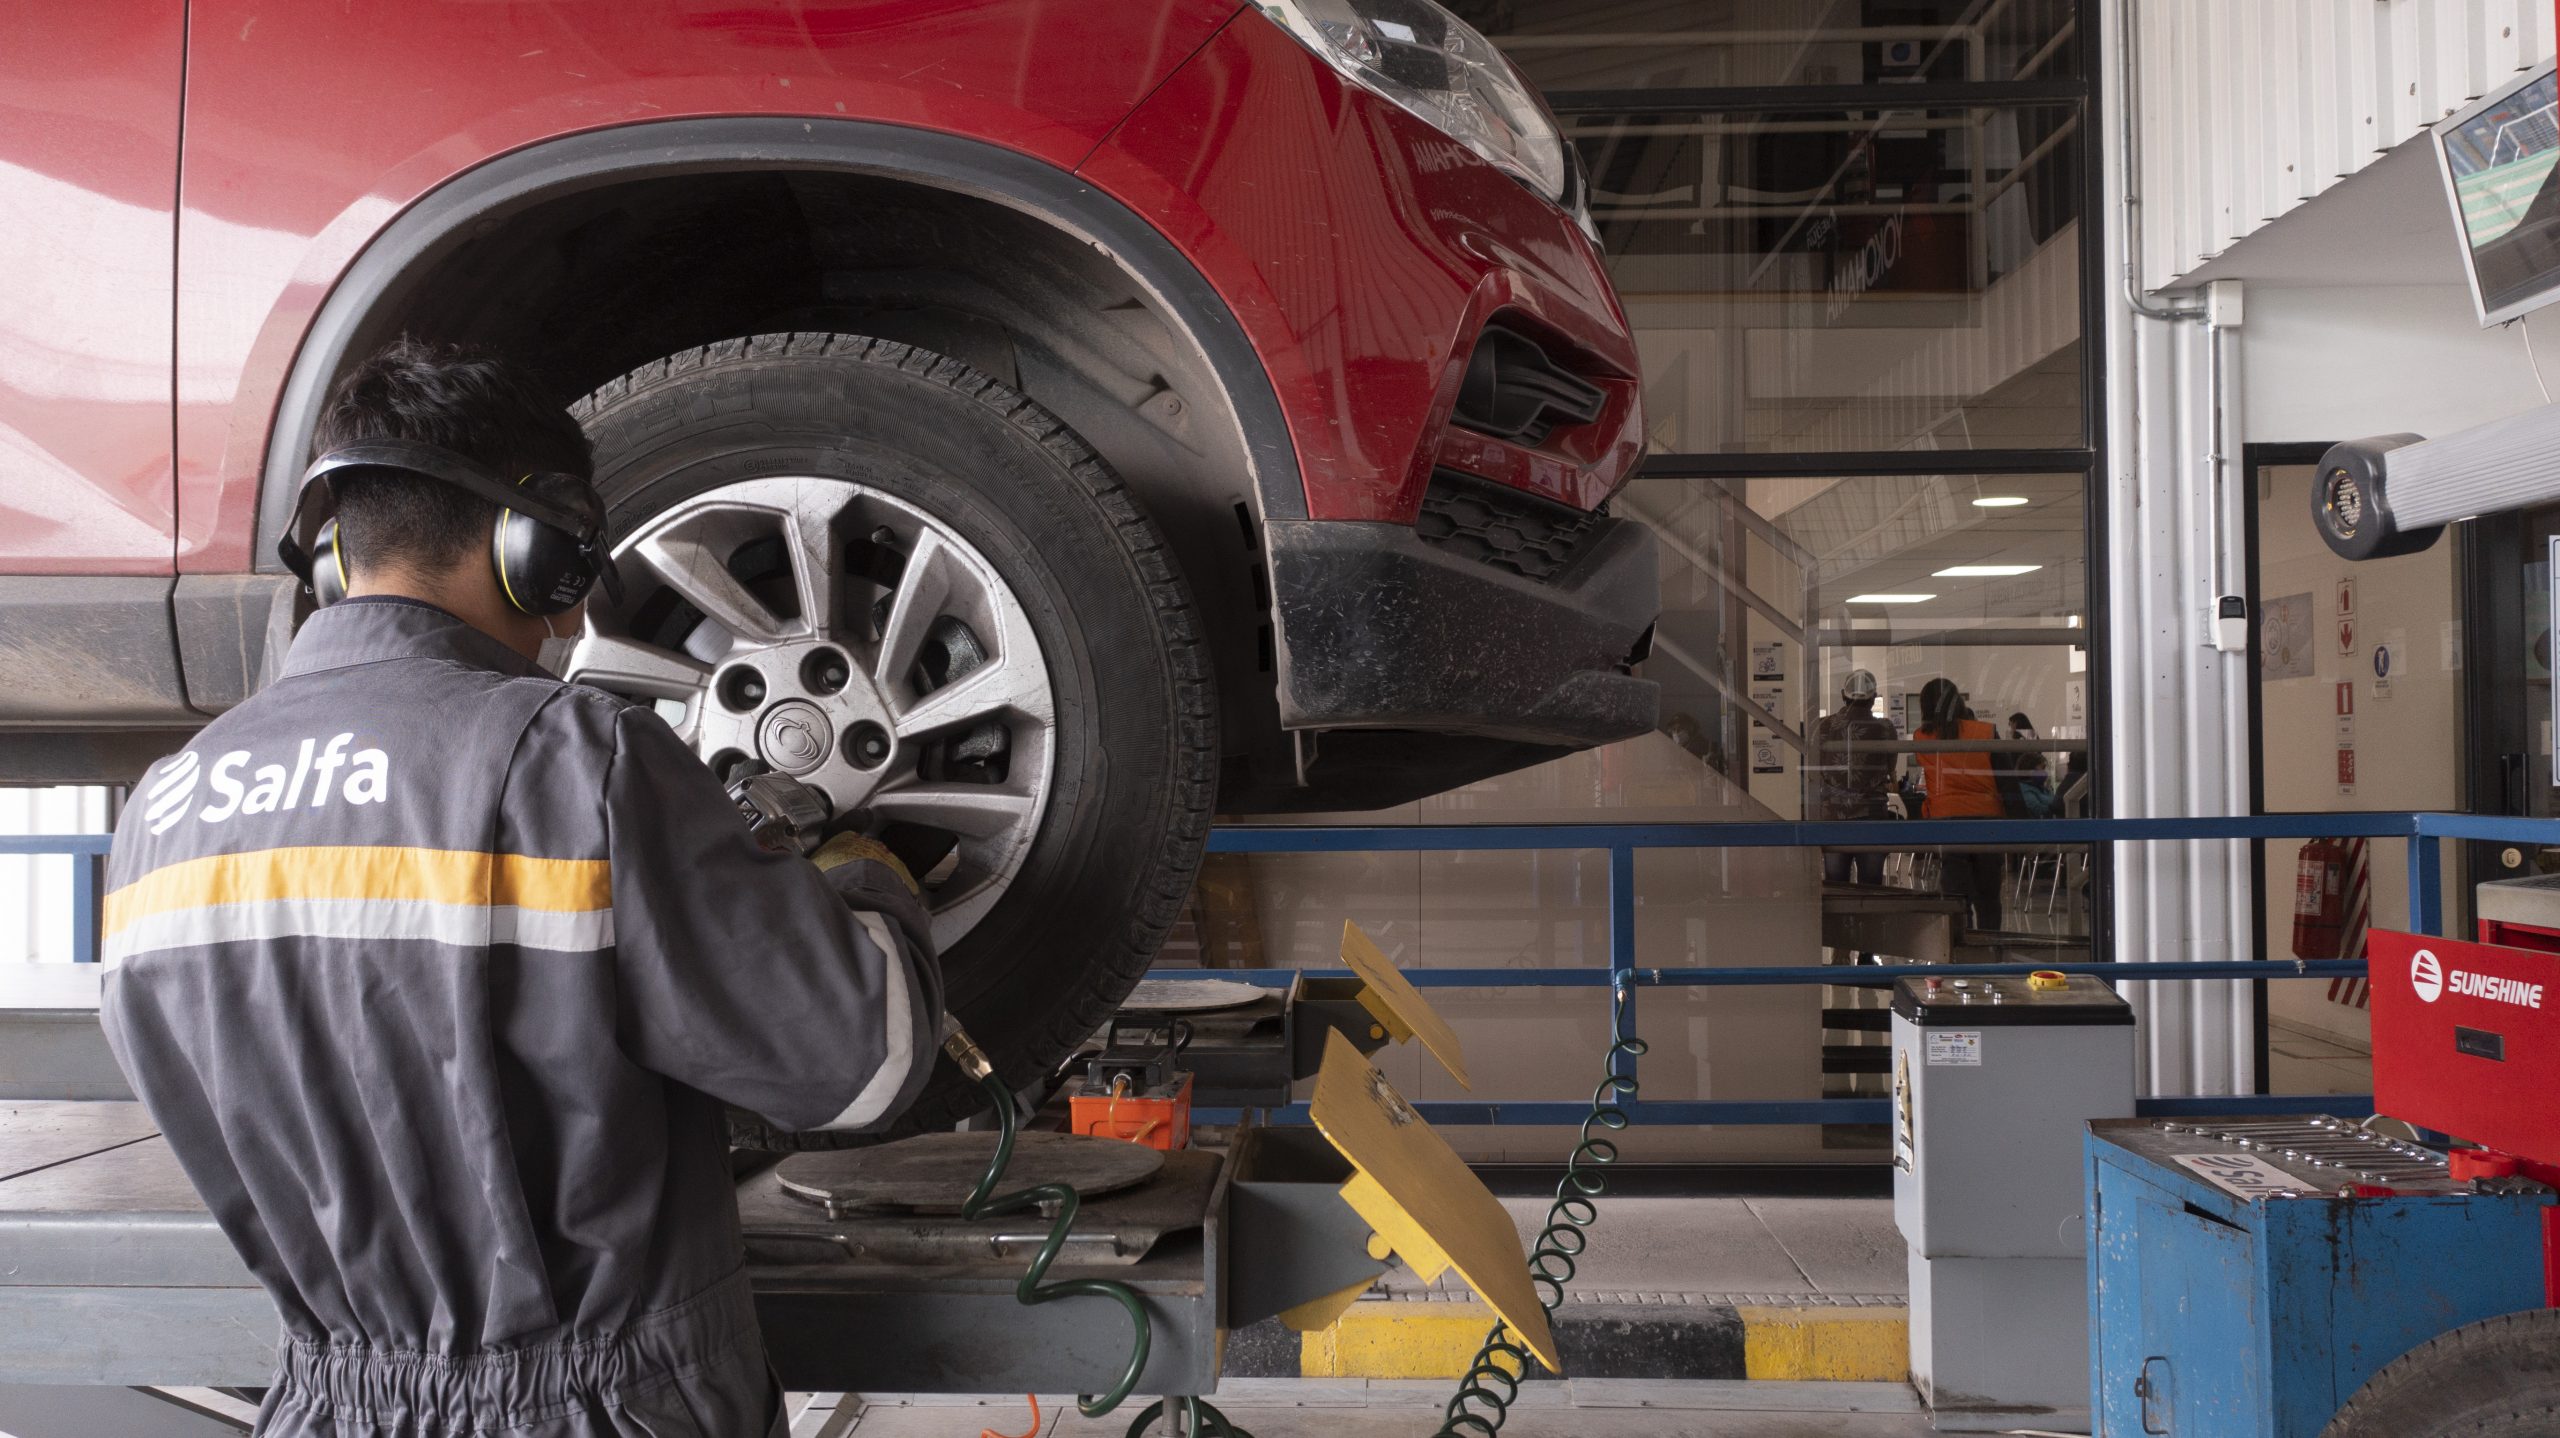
point(547, 547)
point(328, 565)
point(543, 569)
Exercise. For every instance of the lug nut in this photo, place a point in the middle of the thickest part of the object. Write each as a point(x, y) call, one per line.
point(742, 689)
point(825, 671)
point(867, 745)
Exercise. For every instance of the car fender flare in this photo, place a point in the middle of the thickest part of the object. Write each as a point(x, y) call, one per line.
point(450, 213)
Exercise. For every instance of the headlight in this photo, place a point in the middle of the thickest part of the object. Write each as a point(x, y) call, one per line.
point(1435, 65)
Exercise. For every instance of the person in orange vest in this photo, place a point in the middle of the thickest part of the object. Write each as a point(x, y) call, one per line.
point(1962, 786)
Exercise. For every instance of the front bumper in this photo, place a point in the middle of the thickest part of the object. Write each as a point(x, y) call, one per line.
point(1383, 629)
point(1364, 254)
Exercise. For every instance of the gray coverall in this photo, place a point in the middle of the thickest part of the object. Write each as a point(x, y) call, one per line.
point(436, 972)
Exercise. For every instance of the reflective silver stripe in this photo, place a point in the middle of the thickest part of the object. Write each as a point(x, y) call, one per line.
point(462, 925)
point(898, 1024)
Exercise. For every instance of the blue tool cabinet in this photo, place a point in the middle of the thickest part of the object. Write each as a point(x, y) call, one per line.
point(2214, 1315)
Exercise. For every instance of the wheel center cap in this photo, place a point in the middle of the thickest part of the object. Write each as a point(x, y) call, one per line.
point(794, 736)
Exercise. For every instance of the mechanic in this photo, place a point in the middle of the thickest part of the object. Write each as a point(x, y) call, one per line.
point(1854, 782)
point(436, 972)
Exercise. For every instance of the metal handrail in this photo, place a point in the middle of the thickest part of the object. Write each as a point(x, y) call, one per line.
point(2424, 831)
point(84, 880)
point(1621, 841)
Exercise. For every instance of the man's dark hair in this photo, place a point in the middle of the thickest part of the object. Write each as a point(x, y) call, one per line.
point(477, 405)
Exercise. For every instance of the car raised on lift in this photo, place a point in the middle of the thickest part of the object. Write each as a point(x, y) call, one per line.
point(1039, 427)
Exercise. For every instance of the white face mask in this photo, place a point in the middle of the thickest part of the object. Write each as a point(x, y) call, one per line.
point(553, 657)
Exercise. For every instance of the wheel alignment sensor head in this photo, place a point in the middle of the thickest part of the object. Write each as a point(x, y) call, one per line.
point(2350, 500)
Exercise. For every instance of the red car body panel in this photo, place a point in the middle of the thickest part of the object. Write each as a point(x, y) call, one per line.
point(310, 123)
point(1363, 251)
point(211, 201)
point(88, 177)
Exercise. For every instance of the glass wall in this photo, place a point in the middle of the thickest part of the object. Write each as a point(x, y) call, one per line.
point(1571, 46)
point(1851, 279)
point(1852, 237)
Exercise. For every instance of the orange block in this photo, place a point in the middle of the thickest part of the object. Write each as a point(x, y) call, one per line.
point(1157, 1120)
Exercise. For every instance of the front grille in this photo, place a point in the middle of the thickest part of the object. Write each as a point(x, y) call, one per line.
point(1494, 524)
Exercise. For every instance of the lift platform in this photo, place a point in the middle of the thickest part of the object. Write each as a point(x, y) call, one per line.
point(866, 1274)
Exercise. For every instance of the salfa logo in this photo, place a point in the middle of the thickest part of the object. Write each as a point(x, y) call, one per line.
point(2426, 975)
point(313, 777)
point(170, 794)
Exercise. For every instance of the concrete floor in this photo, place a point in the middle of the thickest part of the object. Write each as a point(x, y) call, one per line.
point(1661, 1250)
point(2301, 1060)
point(1309, 1408)
point(1671, 1249)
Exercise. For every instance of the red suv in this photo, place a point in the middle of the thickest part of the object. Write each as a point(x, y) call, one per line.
point(1039, 426)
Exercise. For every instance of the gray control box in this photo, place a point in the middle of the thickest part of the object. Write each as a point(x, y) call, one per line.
point(1994, 1081)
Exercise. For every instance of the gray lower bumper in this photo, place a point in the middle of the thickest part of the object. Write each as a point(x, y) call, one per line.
point(1381, 630)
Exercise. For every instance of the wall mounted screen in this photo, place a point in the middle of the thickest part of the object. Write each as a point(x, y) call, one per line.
point(2497, 159)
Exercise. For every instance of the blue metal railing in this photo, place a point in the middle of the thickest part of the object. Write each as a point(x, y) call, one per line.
point(2425, 833)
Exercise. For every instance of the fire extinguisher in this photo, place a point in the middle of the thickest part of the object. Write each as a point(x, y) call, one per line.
point(2320, 899)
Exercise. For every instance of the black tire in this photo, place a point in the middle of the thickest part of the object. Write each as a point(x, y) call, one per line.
point(1135, 768)
point(2498, 1378)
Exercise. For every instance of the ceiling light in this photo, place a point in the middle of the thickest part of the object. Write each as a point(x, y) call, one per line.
point(1987, 571)
point(2000, 501)
point(1889, 598)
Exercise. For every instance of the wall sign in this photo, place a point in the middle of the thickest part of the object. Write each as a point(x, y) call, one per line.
point(1764, 745)
point(2286, 639)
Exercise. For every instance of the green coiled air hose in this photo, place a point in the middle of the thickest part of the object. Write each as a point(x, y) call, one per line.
point(1201, 1420)
point(1493, 1379)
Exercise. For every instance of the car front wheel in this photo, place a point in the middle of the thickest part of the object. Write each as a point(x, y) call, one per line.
point(883, 573)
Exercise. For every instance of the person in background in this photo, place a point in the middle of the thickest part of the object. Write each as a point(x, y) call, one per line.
point(1850, 782)
point(1962, 786)
point(2035, 798)
point(1683, 729)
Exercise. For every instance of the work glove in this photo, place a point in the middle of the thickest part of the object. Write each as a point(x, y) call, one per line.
point(848, 847)
point(866, 875)
point(1893, 805)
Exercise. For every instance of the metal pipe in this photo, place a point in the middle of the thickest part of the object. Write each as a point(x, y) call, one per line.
point(2129, 93)
point(2172, 899)
point(1786, 734)
point(2035, 62)
point(1664, 534)
point(1760, 528)
point(2030, 160)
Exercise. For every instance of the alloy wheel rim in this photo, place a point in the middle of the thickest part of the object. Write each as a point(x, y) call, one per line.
point(856, 642)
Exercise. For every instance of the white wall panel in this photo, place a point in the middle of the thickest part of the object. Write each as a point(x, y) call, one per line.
point(2249, 107)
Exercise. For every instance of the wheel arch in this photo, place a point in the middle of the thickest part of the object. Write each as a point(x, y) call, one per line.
point(414, 275)
point(483, 197)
